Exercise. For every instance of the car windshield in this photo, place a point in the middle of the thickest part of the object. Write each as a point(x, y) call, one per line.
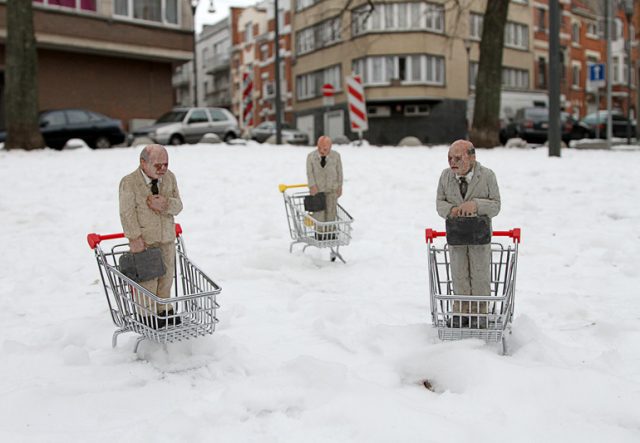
point(537, 114)
point(172, 117)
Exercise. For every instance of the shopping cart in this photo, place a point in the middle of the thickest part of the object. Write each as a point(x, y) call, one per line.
point(189, 314)
point(306, 229)
point(463, 316)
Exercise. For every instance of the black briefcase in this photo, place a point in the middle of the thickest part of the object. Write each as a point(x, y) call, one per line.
point(142, 266)
point(474, 230)
point(315, 203)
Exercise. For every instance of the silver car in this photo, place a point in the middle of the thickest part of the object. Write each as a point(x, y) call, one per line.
point(264, 130)
point(188, 125)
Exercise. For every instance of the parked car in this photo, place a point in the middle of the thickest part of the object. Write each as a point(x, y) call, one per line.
point(599, 120)
point(532, 125)
point(289, 133)
point(96, 130)
point(188, 125)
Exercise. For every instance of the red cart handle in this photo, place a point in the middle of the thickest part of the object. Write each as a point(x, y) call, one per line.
point(95, 239)
point(514, 233)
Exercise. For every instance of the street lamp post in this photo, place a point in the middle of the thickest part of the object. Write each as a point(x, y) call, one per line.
point(467, 47)
point(628, 11)
point(194, 7)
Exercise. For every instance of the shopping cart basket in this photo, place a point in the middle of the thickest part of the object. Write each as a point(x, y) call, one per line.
point(135, 309)
point(306, 229)
point(459, 316)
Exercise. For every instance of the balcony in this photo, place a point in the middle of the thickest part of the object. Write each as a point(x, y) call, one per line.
point(181, 77)
point(218, 62)
point(219, 98)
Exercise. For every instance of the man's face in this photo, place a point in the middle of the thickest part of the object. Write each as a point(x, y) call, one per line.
point(460, 161)
point(324, 147)
point(157, 165)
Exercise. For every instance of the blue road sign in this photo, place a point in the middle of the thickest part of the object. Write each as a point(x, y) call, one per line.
point(596, 72)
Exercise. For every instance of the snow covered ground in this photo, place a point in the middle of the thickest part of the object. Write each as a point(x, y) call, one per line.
point(314, 351)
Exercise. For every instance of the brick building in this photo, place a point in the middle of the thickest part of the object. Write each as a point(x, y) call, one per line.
point(111, 56)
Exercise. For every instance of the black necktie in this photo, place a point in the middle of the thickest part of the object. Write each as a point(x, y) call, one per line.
point(463, 186)
point(323, 161)
point(154, 186)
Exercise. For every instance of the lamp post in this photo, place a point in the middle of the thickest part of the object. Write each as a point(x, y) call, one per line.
point(194, 7)
point(467, 47)
point(278, 103)
point(628, 11)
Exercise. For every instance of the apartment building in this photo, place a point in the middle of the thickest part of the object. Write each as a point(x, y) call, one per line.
point(253, 63)
point(109, 56)
point(412, 57)
point(582, 42)
point(213, 52)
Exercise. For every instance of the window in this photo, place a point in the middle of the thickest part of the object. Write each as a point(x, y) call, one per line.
point(303, 4)
point(515, 78)
point(617, 29)
point(516, 36)
point(575, 76)
point(616, 69)
point(418, 68)
point(475, 26)
point(55, 118)
point(575, 33)
point(82, 5)
point(542, 20)
point(309, 85)
point(542, 73)
point(148, 10)
point(319, 36)
point(416, 110)
point(264, 52)
point(248, 32)
point(217, 115)
point(198, 116)
point(415, 15)
point(379, 111)
point(76, 116)
point(473, 74)
point(592, 30)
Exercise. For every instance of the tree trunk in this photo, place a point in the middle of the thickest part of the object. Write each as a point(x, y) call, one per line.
point(486, 113)
point(21, 69)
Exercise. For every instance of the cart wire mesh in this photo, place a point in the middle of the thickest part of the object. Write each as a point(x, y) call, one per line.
point(190, 313)
point(459, 316)
point(305, 229)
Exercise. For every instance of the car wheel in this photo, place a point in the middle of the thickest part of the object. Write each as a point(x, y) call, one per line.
point(230, 136)
point(102, 142)
point(176, 139)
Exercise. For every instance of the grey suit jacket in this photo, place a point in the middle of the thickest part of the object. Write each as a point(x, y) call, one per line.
point(327, 179)
point(138, 219)
point(483, 189)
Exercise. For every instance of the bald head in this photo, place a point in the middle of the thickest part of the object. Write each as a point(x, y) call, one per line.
point(462, 157)
point(324, 145)
point(154, 161)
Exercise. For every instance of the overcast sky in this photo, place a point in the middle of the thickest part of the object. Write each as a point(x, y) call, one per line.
point(203, 16)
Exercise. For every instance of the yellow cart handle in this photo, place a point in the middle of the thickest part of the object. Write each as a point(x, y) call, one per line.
point(283, 187)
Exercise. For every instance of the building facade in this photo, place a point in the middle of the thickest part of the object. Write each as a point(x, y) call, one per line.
point(417, 60)
point(253, 63)
point(111, 56)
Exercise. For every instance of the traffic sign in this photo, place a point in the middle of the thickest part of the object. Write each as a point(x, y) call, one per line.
point(597, 74)
point(327, 90)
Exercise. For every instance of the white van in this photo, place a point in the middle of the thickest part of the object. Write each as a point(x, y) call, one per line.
point(510, 102)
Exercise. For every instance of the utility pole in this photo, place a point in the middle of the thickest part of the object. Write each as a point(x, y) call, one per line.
point(194, 7)
point(554, 78)
point(609, 19)
point(277, 77)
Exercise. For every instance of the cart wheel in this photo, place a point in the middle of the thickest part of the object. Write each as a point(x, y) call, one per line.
point(503, 346)
point(332, 256)
point(333, 259)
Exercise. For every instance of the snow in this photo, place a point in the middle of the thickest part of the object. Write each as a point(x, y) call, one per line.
point(309, 350)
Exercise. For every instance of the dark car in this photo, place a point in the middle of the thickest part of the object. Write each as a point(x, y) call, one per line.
point(532, 125)
point(61, 125)
point(290, 134)
point(599, 120)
